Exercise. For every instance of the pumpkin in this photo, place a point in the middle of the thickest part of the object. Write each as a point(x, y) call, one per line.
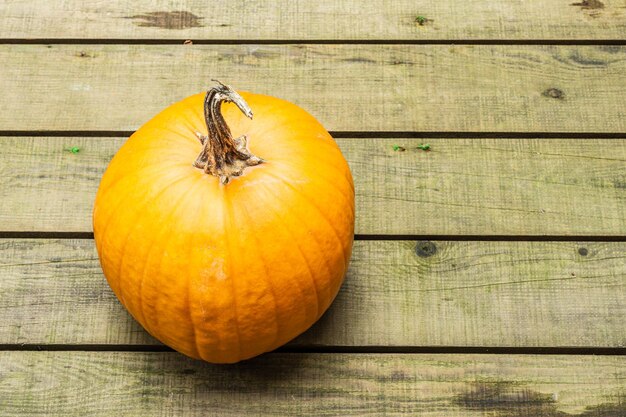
point(226, 245)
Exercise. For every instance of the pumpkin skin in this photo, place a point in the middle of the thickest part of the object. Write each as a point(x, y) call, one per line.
point(225, 272)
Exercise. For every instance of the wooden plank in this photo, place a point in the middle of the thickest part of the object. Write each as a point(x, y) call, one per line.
point(460, 187)
point(306, 20)
point(494, 294)
point(500, 88)
point(166, 384)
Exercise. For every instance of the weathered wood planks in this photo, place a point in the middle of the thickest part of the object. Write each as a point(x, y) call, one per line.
point(319, 20)
point(398, 294)
point(465, 88)
point(165, 384)
point(460, 187)
point(440, 293)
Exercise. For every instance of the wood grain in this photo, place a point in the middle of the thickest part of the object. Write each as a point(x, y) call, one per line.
point(437, 88)
point(398, 294)
point(319, 20)
point(167, 384)
point(440, 293)
point(493, 187)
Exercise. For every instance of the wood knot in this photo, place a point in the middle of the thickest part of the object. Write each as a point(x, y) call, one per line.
point(554, 93)
point(425, 248)
point(583, 251)
point(589, 4)
point(167, 20)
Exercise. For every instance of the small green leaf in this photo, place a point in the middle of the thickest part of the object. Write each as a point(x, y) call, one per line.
point(420, 20)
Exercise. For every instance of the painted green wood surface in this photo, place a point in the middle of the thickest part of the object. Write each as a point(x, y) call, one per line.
point(465, 88)
point(314, 20)
point(440, 293)
point(460, 187)
point(167, 384)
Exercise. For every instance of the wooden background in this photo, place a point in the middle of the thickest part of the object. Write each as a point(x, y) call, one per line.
point(488, 276)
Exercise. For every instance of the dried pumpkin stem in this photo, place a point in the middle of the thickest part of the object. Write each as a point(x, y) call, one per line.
point(223, 156)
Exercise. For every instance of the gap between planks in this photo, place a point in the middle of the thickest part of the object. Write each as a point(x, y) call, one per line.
point(348, 350)
point(347, 134)
point(82, 41)
point(362, 237)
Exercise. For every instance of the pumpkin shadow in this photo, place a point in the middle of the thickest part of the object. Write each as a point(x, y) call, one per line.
point(282, 370)
point(269, 374)
point(286, 365)
point(265, 375)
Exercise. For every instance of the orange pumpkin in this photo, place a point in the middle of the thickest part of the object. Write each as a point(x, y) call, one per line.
point(226, 248)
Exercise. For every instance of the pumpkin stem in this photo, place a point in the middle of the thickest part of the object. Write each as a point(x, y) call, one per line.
point(223, 156)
